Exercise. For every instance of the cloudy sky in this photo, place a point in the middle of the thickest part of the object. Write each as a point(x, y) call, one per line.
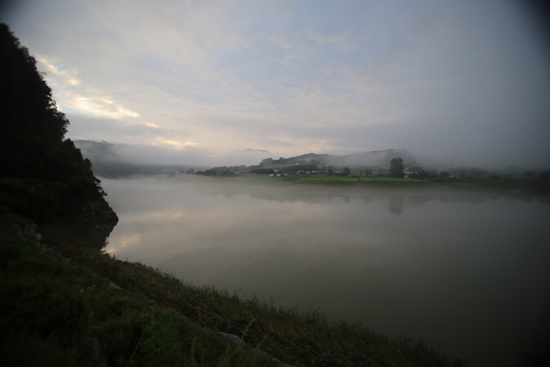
point(466, 80)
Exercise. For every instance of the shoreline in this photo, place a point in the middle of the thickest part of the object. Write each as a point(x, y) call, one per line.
point(503, 186)
point(290, 337)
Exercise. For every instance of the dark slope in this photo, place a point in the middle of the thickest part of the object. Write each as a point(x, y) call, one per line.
point(42, 176)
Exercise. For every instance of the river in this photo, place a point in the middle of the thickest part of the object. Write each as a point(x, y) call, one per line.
point(465, 269)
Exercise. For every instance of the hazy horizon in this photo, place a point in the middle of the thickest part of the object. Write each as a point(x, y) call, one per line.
point(465, 82)
point(122, 160)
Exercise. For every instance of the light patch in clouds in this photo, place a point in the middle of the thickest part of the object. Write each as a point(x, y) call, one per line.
point(63, 74)
point(67, 91)
point(150, 124)
point(172, 143)
point(99, 107)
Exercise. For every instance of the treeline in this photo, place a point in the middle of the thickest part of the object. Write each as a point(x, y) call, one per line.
point(214, 172)
point(414, 171)
point(398, 169)
point(380, 158)
point(42, 174)
point(263, 171)
point(310, 158)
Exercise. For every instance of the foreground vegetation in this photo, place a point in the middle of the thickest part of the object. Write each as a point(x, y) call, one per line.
point(51, 308)
point(141, 316)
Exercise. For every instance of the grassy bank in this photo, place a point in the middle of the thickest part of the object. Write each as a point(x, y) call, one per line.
point(536, 185)
point(141, 316)
point(50, 303)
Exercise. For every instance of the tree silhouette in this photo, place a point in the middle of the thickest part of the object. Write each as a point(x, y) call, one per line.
point(41, 174)
point(397, 167)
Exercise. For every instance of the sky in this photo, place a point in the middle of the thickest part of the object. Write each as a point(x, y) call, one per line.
point(466, 82)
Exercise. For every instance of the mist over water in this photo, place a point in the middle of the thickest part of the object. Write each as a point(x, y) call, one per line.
point(466, 269)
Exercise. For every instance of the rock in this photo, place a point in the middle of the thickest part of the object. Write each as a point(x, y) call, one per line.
point(27, 230)
point(91, 354)
point(114, 286)
point(98, 213)
point(233, 338)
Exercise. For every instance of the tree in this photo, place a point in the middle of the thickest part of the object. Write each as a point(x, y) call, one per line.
point(43, 175)
point(477, 172)
point(347, 171)
point(329, 173)
point(418, 172)
point(396, 168)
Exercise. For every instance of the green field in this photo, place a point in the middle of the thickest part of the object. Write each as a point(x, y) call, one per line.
point(331, 180)
point(535, 185)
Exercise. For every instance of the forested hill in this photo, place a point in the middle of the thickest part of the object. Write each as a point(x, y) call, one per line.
point(42, 175)
point(379, 158)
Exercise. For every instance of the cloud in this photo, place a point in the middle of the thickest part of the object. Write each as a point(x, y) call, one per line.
point(173, 143)
point(294, 77)
point(68, 87)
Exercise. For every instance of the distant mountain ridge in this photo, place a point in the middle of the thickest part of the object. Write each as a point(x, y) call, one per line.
point(250, 150)
point(108, 163)
point(377, 158)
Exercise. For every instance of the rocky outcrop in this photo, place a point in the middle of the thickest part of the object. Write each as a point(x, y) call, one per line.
point(98, 213)
point(26, 229)
point(91, 354)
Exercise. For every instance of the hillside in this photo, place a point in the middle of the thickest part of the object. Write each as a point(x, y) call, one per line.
point(376, 158)
point(43, 175)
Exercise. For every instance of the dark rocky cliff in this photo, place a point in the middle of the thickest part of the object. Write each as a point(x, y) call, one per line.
point(43, 176)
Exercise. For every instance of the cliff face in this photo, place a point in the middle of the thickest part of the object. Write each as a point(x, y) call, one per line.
point(98, 213)
point(42, 175)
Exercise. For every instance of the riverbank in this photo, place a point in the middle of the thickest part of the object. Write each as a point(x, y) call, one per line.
point(141, 316)
point(517, 184)
point(498, 184)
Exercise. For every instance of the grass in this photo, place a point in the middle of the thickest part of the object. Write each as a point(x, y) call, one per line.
point(354, 180)
point(536, 185)
point(47, 306)
point(156, 314)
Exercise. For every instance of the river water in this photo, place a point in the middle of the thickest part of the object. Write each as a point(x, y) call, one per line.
point(469, 270)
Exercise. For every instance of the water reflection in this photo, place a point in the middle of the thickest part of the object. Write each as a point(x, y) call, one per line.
point(464, 268)
point(396, 204)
